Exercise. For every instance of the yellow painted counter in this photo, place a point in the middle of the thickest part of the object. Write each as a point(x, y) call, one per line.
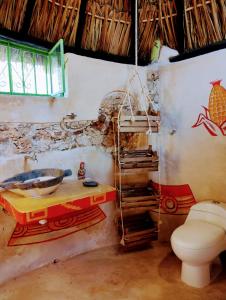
point(70, 196)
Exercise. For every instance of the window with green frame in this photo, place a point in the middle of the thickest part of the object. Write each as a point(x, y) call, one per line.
point(26, 70)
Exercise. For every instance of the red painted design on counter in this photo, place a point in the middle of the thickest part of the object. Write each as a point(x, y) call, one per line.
point(56, 228)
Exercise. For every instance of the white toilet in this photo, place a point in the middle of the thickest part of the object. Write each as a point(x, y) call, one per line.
point(199, 241)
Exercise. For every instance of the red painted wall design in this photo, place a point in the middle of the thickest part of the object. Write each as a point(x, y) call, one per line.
point(175, 199)
point(214, 117)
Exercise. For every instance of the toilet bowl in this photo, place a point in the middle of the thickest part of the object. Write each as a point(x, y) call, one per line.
point(199, 241)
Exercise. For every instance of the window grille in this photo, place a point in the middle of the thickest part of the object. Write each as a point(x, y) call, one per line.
point(26, 70)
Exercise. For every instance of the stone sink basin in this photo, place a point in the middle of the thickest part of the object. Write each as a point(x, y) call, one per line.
point(36, 183)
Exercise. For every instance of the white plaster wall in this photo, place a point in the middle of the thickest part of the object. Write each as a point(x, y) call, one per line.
point(89, 80)
point(191, 155)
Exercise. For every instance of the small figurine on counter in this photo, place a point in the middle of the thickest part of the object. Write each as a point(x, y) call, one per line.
point(82, 171)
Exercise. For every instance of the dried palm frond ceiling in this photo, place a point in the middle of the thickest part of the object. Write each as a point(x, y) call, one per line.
point(107, 27)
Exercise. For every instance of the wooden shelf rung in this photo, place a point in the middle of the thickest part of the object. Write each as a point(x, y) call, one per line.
point(139, 170)
point(137, 124)
point(138, 237)
point(139, 118)
point(137, 129)
point(132, 211)
point(137, 165)
point(140, 232)
point(139, 159)
point(140, 198)
point(136, 196)
point(133, 186)
point(138, 205)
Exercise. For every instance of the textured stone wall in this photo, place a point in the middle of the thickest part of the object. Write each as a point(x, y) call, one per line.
point(28, 137)
point(16, 138)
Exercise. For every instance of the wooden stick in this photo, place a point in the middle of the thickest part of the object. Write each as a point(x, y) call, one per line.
point(61, 5)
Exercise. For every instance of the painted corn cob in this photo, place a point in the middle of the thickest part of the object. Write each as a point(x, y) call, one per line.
point(217, 103)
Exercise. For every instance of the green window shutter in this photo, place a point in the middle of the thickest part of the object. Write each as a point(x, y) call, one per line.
point(57, 72)
point(4, 70)
point(26, 70)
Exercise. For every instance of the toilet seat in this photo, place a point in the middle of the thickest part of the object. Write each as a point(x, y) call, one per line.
point(196, 235)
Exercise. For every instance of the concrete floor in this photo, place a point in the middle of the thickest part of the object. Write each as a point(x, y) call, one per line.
point(107, 274)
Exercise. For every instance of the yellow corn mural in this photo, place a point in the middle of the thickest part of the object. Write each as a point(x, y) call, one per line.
point(217, 103)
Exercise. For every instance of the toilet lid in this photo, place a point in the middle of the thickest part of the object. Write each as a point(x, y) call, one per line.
point(197, 234)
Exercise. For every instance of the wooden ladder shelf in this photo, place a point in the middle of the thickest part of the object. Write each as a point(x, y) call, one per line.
point(135, 200)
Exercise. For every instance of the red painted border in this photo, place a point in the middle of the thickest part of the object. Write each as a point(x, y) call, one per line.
point(56, 210)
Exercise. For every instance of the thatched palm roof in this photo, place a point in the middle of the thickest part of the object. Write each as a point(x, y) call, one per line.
point(107, 26)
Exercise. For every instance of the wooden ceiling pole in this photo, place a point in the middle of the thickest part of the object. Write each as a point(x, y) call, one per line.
point(180, 25)
point(133, 28)
point(81, 24)
point(27, 18)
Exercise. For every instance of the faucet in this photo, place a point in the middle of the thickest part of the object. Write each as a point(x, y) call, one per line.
point(32, 156)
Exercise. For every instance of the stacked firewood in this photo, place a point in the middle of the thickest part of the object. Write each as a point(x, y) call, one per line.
point(157, 20)
point(205, 22)
point(52, 20)
point(12, 14)
point(107, 27)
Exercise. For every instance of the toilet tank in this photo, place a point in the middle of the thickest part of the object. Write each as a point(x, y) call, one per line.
point(213, 212)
